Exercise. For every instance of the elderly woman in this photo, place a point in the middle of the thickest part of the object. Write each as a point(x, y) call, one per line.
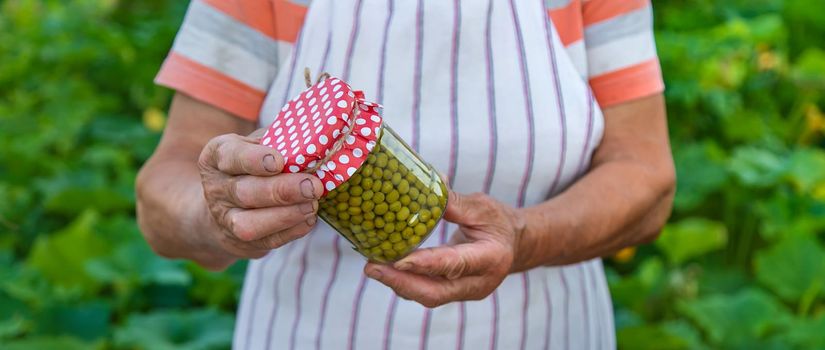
point(550, 112)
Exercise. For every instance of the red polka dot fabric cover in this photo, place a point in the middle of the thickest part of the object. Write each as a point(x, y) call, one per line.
point(309, 126)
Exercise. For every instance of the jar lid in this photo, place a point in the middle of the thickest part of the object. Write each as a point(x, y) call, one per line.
point(327, 130)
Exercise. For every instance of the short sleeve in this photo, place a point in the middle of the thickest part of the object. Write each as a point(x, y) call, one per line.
point(621, 51)
point(227, 52)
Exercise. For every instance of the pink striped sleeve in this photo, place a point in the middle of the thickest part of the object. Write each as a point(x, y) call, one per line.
point(621, 52)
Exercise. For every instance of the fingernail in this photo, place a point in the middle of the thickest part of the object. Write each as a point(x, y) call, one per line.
point(307, 189)
point(307, 208)
point(270, 164)
point(375, 273)
point(403, 266)
point(311, 220)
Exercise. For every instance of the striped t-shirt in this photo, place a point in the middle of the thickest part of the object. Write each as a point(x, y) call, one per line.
point(493, 93)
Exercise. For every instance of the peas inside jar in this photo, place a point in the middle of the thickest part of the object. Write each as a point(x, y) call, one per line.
point(390, 205)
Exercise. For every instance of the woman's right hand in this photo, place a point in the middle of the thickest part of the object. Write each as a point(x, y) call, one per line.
point(255, 207)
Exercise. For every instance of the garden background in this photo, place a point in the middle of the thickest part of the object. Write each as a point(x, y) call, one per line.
point(741, 265)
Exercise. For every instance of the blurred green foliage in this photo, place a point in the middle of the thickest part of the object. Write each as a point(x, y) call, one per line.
point(78, 115)
point(741, 265)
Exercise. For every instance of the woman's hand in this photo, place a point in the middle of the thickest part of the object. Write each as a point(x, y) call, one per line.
point(211, 196)
point(480, 255)
point(255, 206)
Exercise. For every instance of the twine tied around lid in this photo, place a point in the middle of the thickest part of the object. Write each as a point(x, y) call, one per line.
point(336, 147)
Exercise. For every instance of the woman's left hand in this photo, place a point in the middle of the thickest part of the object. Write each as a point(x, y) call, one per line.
point(475, 262)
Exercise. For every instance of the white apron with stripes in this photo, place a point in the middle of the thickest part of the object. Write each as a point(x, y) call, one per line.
point(486, 93)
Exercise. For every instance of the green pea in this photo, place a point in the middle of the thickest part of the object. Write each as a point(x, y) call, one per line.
point(414, 207)
point(403, 186)
point(343, 216)
point(386, 187)
point(376, 186)
point(430, 224)
point(372, 241)
point(355, 201)
point(390, 254)
point(379, 222)
point(381, 208)
point(382, 160)
point(371, 233)
point(436, 212)
point(422, 199)
point(356, 191)
point(407, 233)
point(395, 206)
point(367, 206)
point(387, 175)
point(400, 247)
point(389, 216)
point(424, 215)
point(405, 200)
point(389, 227)
point(393, 196)
point(396, 179)
point(403, 214)
point(413, 192)
point(369, 215)
point(371, 158)
point(354, 211)
point(355, 179)
point(414, 240)
point(358, 219)
point(368, 225)
point(393, 164)
point(395, 237)
point(341, 206)
point(382, 235)
point(367, 195)
point(367, 183)
point(413, 220)
point(432, 200)
point(361, 237)
point(366, 170)
point(420, 229)
point(377, 173)
point(376, 251)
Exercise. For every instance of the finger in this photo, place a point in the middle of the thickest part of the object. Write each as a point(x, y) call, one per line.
point(281, 238)
point(429, 291)
point(271, 191)
point(465, 209)
point(254, 224)
point(257, 134)
point(451, 262)
point(238, 155)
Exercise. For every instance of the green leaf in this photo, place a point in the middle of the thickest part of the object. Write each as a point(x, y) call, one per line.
point(699, 172)
point(88, 321)
point(792, 267)
point(807, 333)
point(652, 337)
point(690, 238)
point(806, 169)
point(136, 261)
point(756, 167)
point(202, 329)
point(809, 69)
point(62, 256)
point(738, 319)
point(40, 343)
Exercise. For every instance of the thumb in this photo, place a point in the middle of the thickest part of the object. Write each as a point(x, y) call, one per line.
point(462, 209)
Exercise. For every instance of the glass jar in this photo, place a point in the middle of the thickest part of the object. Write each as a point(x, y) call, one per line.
point(390, 205)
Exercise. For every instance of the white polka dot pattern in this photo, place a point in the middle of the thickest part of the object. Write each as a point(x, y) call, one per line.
point(319, 132)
